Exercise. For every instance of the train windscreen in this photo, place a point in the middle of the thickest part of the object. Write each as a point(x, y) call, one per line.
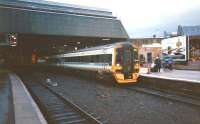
point(119, 57)
point(124, 58)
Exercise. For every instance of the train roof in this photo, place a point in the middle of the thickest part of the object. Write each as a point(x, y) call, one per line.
point(103, 47)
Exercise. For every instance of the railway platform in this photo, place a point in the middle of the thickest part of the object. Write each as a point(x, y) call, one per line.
point(17, 105)
point(5, 99)
point(184, 82)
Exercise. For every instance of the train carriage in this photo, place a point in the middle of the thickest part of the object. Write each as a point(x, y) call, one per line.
point(119, 60)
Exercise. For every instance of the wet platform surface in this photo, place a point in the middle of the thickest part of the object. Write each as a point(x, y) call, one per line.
point(25, 108)
point(16, 104)
point(179, 75)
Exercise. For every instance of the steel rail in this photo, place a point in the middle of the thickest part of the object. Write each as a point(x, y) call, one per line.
point(58, 109)
point(163, 94)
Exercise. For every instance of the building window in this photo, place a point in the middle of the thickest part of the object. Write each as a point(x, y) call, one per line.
point(149, 57)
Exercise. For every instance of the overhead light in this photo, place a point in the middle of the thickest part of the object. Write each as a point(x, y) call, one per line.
point(105, 39)
point(78, 42)
point(65, 45)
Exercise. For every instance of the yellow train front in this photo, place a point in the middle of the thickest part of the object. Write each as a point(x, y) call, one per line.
point(126, 65)
point(119, 60)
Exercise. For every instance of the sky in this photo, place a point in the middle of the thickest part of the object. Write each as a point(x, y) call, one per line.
point(143, 18)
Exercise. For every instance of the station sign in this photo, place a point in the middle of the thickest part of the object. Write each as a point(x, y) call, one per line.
point(175, 47)
point(8, 39)
point(12, 40)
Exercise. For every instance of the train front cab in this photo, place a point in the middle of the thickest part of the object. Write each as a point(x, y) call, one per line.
point(126, 65)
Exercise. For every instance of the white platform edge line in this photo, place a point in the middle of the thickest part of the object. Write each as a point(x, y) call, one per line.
point(170, 78)
point(37, 110)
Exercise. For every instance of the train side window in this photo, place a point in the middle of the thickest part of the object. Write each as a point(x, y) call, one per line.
point(67, 59)
point(84, 58)
point(92, 58)
point(108, 58)
point(88, 59)
point(80, 59)
point(72, 59)
point(101, 59)
point(97, 58)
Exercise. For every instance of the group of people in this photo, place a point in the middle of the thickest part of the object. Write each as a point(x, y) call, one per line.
point(166, 62)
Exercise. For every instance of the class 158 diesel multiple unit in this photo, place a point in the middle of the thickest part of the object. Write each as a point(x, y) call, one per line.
point(119, 60)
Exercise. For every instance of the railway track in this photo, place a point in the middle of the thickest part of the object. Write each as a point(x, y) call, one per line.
point(166, 95)
point(58, 109)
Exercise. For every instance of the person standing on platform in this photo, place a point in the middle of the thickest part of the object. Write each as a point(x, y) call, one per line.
point(170, 63)
point(158, 63)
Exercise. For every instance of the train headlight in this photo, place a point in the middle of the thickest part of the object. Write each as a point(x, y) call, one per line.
point(137, 65)
point(118, 67)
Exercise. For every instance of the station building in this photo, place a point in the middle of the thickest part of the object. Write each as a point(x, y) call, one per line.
point(149, 48)
point(193, 35)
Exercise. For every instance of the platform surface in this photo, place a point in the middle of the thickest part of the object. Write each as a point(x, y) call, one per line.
point(25, 109)
point(5, 99)
point(179, 75)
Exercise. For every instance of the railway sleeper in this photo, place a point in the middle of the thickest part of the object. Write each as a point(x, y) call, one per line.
point(55, 105)
point(69, 117)
point(56, 109)
point(64, 114)
point(50, 102)
point(80, 121)
point(48, 97)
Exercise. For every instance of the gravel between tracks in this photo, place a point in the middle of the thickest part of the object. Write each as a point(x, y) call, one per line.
point(120, 106)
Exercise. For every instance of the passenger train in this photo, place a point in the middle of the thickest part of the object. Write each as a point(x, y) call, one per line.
point(119, 60)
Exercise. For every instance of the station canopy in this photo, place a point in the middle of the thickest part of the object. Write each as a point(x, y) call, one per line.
point(50, 18)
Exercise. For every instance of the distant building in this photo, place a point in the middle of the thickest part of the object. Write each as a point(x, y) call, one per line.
point(149, 48)
point(192, 45)
point(170, 34)
point(193, 33)
point(189, 30)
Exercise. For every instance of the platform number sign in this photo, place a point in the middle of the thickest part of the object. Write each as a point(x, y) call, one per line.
point(12, 40)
